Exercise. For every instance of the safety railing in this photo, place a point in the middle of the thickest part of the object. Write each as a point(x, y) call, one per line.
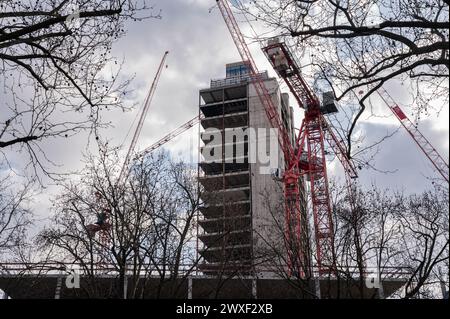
point(236, 80)
point(46, 269)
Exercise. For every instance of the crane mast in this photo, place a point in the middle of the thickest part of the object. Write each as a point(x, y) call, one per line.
point(314, 131)
point(293, 214)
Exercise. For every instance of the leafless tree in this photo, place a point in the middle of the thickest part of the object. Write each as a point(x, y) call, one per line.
point(15, 218)
point(152, 225)
point(366, 236)
point(425, 240)
point(57, 72)
point(377, 233)
point(356, 46)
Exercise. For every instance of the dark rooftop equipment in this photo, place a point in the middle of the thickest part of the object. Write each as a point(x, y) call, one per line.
point(328, 106)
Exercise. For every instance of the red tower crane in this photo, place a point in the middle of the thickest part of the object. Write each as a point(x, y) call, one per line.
point(427, 148)
point(311, 136)
point(314, 131)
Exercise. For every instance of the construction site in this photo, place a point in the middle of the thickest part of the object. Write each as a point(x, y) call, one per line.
point(264, 225)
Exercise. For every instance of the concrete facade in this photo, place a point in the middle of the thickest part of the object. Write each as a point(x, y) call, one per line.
point(242, 211)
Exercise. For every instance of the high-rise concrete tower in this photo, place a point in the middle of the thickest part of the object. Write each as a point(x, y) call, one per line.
point(242, 217)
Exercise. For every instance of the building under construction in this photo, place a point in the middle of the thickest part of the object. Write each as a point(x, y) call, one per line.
point(238, 224)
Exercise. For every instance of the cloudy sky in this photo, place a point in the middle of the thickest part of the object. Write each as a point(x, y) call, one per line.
point(200, 46)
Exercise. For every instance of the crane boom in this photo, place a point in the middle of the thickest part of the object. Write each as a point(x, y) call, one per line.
point(427, 148)
point(147, 103)
point(179, 130)
point(258, 82)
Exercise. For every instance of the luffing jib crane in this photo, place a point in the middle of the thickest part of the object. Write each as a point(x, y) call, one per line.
point(314, 131)
point(310, 141)
point(148, 100)
point(102, 223)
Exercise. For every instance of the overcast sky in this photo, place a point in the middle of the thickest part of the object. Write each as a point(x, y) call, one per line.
point(200, 46)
